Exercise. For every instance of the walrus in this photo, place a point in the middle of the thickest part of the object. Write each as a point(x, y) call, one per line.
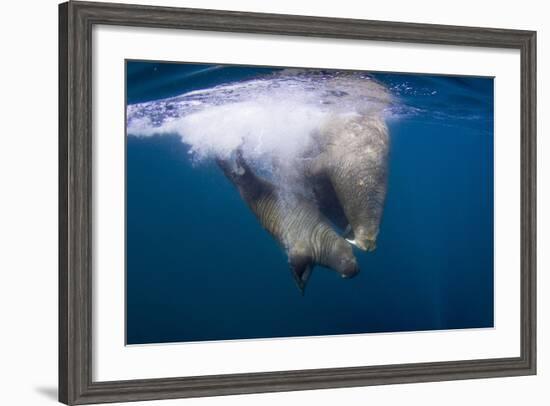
point(295, 223)
point(352, 163)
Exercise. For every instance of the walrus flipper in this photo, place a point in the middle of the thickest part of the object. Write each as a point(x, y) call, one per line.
point(237, 170)
point(301, 267)
point(235, 167)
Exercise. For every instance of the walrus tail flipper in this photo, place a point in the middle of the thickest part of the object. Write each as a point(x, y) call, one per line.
point(240, 173)
point(231, 168)
point(301, 267)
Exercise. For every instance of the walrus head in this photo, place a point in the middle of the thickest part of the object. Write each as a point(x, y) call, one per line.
point(363, 239)
point(342, 260)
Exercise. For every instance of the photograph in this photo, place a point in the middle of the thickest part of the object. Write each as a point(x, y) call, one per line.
point(268, 202)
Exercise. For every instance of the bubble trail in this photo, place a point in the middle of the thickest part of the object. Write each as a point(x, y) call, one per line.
point(271, 118)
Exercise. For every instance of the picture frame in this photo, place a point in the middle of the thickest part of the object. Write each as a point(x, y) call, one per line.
point(76, 352)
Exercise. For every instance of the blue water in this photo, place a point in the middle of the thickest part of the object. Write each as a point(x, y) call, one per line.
point(200, 266)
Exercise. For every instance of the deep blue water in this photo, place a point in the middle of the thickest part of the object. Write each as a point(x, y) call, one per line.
point(200, 266)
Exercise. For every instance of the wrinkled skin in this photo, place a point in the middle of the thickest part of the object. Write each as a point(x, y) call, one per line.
point(353, 160)
point(295, 223)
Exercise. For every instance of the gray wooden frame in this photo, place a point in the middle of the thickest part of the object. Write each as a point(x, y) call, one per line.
point(76, 20)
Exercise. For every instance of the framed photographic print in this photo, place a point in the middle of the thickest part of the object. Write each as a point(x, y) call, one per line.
point(256, 202)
